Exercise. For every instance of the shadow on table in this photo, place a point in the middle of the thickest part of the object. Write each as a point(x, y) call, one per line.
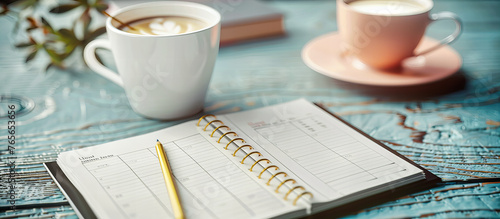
point(448, 85)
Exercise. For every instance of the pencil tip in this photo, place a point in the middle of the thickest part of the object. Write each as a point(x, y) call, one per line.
point(157, 140)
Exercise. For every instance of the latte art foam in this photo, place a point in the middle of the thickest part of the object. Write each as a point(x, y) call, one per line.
point(165, 26)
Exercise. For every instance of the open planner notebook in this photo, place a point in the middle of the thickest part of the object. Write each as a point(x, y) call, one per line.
point(284, 160)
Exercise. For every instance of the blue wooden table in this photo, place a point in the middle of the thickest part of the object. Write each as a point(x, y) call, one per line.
point(451, 127)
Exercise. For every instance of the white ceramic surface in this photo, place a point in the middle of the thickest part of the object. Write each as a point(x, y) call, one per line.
point(165, 77)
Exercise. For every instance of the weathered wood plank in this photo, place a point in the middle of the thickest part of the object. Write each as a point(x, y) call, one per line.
point(450, 127)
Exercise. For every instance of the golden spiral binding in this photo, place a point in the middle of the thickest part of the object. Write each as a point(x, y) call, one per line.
point(270, 166)
point(276, 174)
point(253, 152)
point(208, 115)
point(215, 120)
point(242, 146)
point(218, 127)
point(241, 139)
point(291, 190)
point(288, 180)
point(227, 133)
point(304, 193)
point(256, 162)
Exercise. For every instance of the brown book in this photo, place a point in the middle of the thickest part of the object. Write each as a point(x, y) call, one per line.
point(242, 20)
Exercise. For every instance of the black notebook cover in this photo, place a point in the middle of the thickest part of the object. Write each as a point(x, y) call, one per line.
point(69, 190)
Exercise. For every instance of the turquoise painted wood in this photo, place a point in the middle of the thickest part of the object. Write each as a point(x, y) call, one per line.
point(451, 127)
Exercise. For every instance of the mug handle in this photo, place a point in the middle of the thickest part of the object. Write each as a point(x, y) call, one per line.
point(450, 38)
point(95, 65)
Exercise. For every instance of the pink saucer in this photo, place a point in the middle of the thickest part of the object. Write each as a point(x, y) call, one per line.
point(323, 55)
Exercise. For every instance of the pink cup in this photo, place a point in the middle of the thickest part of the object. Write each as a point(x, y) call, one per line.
point(384, 37)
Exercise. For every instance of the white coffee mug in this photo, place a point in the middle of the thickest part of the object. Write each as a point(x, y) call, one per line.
point(164, 76)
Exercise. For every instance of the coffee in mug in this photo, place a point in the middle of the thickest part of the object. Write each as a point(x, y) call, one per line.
point(163, 25)
point(383, 33)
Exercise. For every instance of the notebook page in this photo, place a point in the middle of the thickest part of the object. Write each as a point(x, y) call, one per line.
point(324, 152)
point(123, 179)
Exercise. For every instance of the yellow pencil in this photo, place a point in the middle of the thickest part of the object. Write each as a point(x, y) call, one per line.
point(169, 181)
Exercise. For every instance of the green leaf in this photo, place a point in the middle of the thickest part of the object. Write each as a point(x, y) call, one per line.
point(86, 3)
point(31, 55)
point(7, 2)
point(50, 65)
point(69, 49)
point(24, 4)
point(54, 56)
point(86, 20)
point(66, 33)
point(63, 8)
point(5, 10)
point(101, 6)
point(47, 25)
point(67, 37)
point(32, 22)
point(33, 42)
point(23, 45)
point(31, 29)
point(94, 34)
